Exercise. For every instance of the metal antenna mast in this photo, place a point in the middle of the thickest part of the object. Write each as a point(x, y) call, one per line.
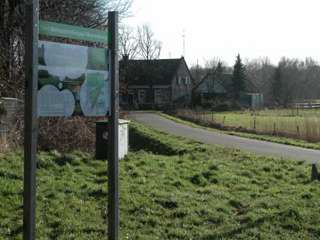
point(184, 43)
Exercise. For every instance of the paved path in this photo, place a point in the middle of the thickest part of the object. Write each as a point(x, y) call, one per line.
point(260, 147)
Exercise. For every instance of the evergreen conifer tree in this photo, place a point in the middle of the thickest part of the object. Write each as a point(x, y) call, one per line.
point(238, 78)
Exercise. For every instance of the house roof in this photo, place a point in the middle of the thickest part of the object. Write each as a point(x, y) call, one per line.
point(224, 84)
point(145, 72)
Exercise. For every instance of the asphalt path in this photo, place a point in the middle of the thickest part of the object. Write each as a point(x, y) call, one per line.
point(210, 137)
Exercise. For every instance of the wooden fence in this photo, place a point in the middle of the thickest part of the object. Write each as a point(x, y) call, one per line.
point(307, 104)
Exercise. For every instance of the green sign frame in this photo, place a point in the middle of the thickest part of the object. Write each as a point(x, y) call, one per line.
point(73, 32)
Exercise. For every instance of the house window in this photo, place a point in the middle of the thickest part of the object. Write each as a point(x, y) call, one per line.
point(158, 96)
point(157, 92)
point(186, 80)
point(142, 96)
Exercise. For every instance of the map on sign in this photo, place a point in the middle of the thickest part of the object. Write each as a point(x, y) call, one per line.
point(92, 93)
point(73, 80)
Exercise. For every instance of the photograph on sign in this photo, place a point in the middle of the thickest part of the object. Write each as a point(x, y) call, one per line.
point(73, 80)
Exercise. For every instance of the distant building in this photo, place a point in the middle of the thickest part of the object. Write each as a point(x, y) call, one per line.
point(220, 88)
point(212, 87)
point(155, 83)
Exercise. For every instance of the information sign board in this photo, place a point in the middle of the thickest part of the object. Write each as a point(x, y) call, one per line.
point(64, 80)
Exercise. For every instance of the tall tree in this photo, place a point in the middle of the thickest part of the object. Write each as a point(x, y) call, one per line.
point(149, 47)
point(238, 78)
point(292, 80)
point(277, 86)
point(11, 39)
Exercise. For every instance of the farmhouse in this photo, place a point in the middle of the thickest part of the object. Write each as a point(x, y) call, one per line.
point(213, 87)
point(155, 83)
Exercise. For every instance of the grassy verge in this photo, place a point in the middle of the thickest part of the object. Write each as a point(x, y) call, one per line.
point(180, 190)
point(282, 140)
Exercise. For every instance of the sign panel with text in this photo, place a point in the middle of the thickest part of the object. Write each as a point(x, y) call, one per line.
point(73, 80)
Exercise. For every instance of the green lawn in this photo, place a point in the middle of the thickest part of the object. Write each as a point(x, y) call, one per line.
point(171, 188)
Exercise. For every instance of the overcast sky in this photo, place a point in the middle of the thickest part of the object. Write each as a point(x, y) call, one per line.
point(224, 28)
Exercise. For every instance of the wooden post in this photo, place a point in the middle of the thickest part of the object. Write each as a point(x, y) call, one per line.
point(314, 172)
point(30, 120)
point(113, 165)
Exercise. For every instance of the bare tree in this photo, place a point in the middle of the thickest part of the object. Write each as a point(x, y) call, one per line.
point(212, 63)
point(128, 42)
point(292, 80)
point(197, 72)
point(149, 48)
point(85, 13)
point(261, 73)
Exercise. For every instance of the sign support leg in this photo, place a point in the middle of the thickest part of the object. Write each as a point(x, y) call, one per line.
point(113, 165)
point(30, 120)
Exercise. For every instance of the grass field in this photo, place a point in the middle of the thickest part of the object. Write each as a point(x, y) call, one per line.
point(293, 123)
point(268, 138)
point(171, 188)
